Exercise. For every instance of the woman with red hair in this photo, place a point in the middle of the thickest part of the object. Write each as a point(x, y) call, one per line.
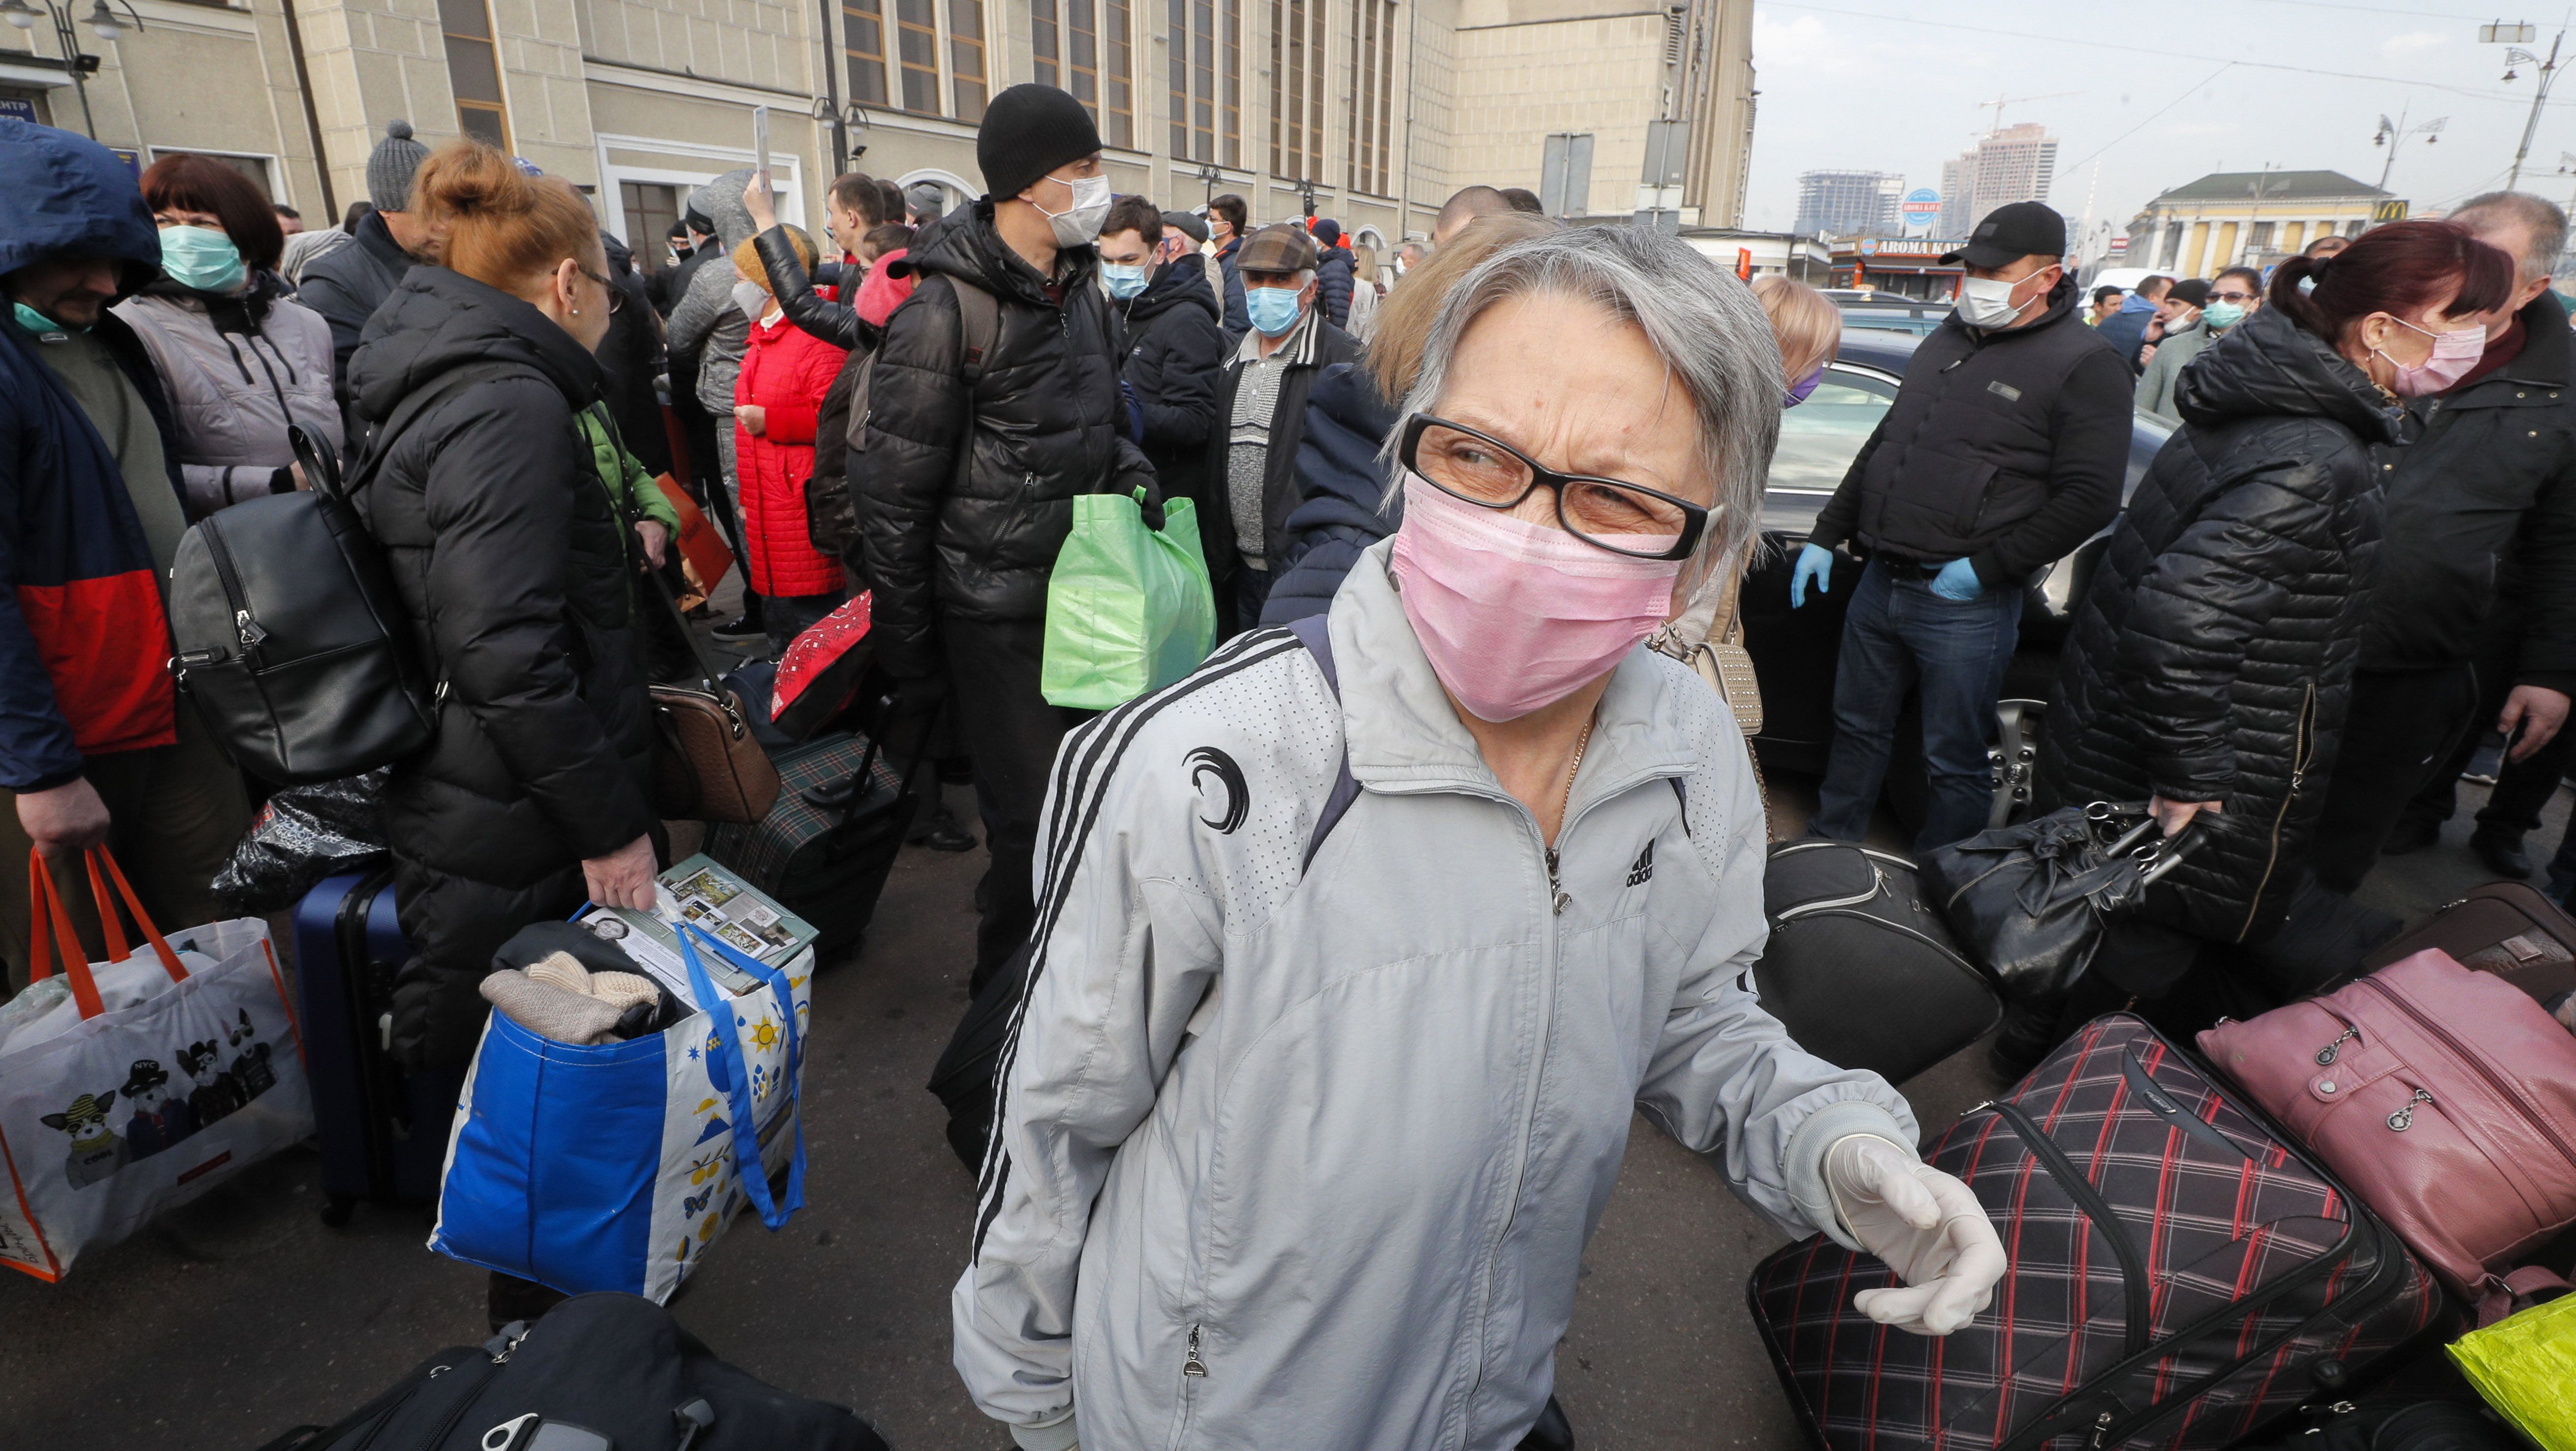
point(240, 360)
point(2211, 662)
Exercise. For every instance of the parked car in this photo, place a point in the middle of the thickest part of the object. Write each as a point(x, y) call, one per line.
point(1794, 650)
point(1888, 312)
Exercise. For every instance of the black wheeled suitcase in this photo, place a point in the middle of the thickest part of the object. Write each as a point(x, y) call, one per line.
point(382, 1130)
point(1860, 969)
point(825, 849)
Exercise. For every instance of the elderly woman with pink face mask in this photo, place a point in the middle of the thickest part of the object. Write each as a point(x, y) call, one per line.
point(1358, 949)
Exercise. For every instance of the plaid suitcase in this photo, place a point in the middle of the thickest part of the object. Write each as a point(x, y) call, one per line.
point(827, 846)
point(2180, 1274)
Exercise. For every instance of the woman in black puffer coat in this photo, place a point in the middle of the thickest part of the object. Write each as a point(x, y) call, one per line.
point(2210, 663)
point(516, 568)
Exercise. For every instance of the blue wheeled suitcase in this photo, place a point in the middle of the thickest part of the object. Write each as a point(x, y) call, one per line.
point(383, 1131)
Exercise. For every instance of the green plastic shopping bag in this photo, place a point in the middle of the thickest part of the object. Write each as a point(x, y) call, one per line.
point(2525, 1366)
point(1130, 608)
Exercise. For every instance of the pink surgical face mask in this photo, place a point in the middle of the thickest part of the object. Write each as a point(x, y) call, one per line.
point(2454, 354)
point(1515, 615)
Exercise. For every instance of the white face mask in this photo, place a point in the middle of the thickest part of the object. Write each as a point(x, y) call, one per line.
point(1988, 302)
point(748, 297)
point(1079, 224)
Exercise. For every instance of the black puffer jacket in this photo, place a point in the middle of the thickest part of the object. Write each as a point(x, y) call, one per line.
point(980, 542)
point(1333, 273)
point(2212, 657)
point(513, 565)
point(2482, 504)
point(2005, 447)
point(1175, 359)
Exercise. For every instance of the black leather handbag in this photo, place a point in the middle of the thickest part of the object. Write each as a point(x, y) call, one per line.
point(1860, 969)
point(291, 638)
point(2029, 901)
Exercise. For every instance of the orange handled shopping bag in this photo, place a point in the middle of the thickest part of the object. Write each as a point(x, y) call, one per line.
point(133, 1085)
point(702, 550)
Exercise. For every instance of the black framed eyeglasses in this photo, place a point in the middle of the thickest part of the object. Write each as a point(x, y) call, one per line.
point(1622, 518)
point(616, 299)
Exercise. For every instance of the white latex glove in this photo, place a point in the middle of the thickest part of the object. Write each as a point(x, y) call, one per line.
point(1927, 1226)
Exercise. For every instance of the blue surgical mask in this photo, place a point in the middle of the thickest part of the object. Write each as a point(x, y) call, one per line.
point(202, 258)
point(1125, 279)
point(39, 324)
point(1274, 309)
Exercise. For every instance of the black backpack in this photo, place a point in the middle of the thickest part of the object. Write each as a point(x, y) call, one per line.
point(289, 633)
point(615, 1366)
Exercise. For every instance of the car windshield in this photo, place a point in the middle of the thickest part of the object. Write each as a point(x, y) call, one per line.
point(1818, 440)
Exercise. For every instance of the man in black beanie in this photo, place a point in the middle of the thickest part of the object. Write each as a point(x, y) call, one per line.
point(1008, 355)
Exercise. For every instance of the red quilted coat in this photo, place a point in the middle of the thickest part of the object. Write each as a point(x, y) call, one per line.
point(786, 371)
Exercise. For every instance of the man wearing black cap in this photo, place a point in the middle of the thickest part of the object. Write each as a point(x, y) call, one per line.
point(964, 469)
point(2004, 450)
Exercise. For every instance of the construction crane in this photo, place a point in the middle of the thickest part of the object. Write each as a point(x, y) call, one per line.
point(2002, 101)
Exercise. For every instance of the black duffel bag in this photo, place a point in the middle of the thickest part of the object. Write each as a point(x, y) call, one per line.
point(292, 642)
point(1859, 968)
point(615, 1366)
point(2029, 901)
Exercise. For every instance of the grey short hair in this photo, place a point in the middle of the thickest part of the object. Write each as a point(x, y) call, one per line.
point(1701, 321)
point(2548, 226)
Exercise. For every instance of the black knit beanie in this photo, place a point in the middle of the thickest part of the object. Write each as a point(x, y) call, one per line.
point(1028, 131)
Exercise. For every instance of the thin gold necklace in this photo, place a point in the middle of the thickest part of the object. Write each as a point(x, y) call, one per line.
point(1567, 804)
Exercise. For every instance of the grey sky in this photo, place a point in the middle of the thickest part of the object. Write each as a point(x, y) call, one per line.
point(1866, 84)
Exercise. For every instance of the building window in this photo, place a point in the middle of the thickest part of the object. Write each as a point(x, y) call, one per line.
point(2261, 241)
point(1296, 88)
point(1197, 105)
point(650, 210)
point(1069, 56)
point(966, 58)
point(474, 71)
point(863, 40)
point(916, 38)
point(1371, 91)
point(1118, 79)
point(1234, 82)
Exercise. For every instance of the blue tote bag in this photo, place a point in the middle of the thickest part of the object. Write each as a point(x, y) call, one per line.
point(614, 1166)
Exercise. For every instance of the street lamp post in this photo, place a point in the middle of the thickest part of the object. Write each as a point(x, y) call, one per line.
point(102, 22)
point(2540, 94)
point(1306, 193)
point(2393, 134)
point(1207, 176)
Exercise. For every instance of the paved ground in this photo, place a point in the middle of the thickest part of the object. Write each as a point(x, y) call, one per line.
point(243, 1315)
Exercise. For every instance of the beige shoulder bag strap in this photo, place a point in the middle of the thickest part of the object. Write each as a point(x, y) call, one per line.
point(1708, 636)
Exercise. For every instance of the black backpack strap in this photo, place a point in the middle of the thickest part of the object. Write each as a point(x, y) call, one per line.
point(979, 318)
point(1312, 633)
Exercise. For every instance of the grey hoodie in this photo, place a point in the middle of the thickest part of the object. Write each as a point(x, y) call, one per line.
point(1305, 1154)
point(705, 321)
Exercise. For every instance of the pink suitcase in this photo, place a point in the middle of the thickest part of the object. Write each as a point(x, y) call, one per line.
point(2445, 1098)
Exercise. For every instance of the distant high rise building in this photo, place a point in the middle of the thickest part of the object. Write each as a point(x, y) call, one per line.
point(1958, 178)
point(2015, 164)
point(1850, 203)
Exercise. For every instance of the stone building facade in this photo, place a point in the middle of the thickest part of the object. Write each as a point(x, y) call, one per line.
point(1381, 108)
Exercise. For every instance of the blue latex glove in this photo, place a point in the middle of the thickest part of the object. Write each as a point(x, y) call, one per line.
point(1814, 563)
point(1958, 581)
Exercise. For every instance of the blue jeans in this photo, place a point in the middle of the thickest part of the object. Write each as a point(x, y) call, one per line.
point(1899, 635)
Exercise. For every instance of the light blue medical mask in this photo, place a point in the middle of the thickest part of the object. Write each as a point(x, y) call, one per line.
point(39, 324)
point(1274, 309)
point(1125, 279)
point(202, 258)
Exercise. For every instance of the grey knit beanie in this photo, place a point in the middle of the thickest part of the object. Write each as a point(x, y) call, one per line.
point(390, 167)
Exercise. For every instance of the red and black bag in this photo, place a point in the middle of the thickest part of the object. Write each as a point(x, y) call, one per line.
point(2180, 1273)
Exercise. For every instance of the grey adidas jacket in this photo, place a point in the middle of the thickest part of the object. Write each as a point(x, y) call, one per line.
point(1304, 1155)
